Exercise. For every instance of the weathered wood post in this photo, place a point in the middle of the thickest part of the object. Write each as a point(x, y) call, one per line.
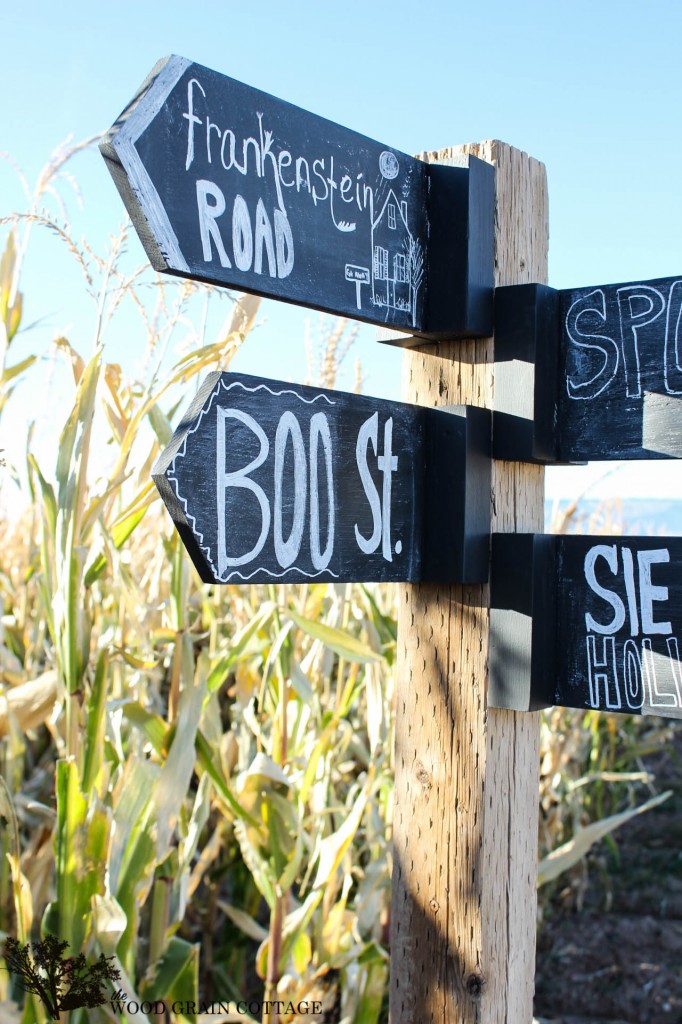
point(465, 838)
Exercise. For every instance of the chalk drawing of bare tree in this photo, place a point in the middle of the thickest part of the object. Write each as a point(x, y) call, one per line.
point(414, 258)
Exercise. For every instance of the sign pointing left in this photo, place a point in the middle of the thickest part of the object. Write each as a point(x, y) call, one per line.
point(268, 481)
point(232, 186)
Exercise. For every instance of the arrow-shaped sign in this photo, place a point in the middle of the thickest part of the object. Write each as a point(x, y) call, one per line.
point(229, 185)
point(268, 481)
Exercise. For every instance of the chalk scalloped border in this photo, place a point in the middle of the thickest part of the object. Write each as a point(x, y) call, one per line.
point(182, 451)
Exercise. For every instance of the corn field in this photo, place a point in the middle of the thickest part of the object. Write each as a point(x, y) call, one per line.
point(196, 781)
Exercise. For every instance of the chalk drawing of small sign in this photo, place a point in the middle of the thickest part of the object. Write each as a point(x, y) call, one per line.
point(360, 275)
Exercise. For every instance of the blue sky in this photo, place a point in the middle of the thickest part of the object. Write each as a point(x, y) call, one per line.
point(593, 90)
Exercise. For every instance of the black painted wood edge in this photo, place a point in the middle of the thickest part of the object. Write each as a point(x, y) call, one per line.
point(522, 622)
point(461, 250)
point(457, 482)
point(527, 338)
point(460, 283)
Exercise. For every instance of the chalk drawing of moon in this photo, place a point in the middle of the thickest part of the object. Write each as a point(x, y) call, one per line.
point(388, 165)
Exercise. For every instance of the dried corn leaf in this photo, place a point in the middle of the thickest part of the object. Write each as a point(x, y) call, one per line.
point(566, 856)
point(30, 703)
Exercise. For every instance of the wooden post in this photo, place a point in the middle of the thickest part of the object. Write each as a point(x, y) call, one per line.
point(466, 786)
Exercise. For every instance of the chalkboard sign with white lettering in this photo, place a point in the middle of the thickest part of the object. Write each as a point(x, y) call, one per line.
point(607, 369)
point(268, 481)
point(232, 186)
point(599, 620)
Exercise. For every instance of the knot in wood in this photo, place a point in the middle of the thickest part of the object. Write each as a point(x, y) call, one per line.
point(474, 985)
point(423, 777)
point(434, 904)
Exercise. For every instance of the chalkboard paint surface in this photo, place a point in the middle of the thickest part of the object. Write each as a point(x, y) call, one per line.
point(268, 481)
point(230, 185)
point(614, 388)
point(619, 624)
point(621, 371)
point(599, 619)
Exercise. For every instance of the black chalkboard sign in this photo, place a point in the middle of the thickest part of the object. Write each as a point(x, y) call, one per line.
point(607, 368)
point(267, 481)
point(232, 186)
point(599, 620)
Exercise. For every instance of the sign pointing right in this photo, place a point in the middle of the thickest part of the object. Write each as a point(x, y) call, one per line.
point(595, 623)
point(607, 365)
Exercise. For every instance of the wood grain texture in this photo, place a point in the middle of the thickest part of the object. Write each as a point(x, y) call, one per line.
point(465, 839)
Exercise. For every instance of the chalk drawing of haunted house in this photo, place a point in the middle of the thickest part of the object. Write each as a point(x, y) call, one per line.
point(397, 262)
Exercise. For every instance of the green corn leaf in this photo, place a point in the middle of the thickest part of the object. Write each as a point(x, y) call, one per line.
point(283, 835)
point(13, 371)
point(8, 263)
point(175, 979)
point(153, 726)
point(148, 808)
point(10, 826)
point(9, 314)
point(292, 868)
point(208, 763)
point(260, 869)
point(133, 849)
point(160, 425)
point(75, 435)
point(15, 316)
point(239, 647)
point(72, 624)
point(301, 953)
point(71, 811)
point(134, 791)
point(301, 683)
point(140, 664)
point(49, 499)
point(385, 625)
point(120, 533)
point(298, 921)
point(94, 737)
point(342, 643)
point(81, 848)
point(320, 749)
point(200, 815)
point(375, 966)
point(176, 774)
point(334, 847)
